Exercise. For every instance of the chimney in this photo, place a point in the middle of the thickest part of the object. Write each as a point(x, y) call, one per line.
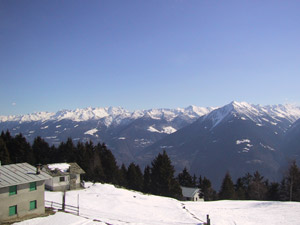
point(38, 169)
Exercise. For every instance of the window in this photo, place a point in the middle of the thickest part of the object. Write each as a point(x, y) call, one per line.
point(32, 205)
point(32, 186)
point(13, 190)
point(12, 210)
point(61, 179)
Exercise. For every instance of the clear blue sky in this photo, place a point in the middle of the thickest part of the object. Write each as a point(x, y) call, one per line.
point(147, 53)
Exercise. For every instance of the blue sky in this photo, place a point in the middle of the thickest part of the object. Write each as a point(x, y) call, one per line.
point(147, 54)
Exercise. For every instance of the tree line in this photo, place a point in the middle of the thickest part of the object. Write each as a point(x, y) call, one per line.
point(249, 187)
point(158, 178)
point(97, 161)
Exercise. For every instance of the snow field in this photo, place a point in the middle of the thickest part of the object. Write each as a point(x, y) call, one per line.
point(109, 205)
point(119, 206)
point(248, 212)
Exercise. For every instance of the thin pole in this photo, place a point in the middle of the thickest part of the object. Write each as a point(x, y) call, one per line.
point(78, 205)
point(64, 200)
point(208, 220)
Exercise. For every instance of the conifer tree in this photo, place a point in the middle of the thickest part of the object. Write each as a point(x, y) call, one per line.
point(41, 150)
point(273, 192)
point(185, 179)
point(162, 177)
point(200, 182)
point(6, 138)
point(208, 191)
point(123, 176)
point(147, 179)
point(67, 151)
point(240, 189)
point(4, 154)
point(257, 189)
point(20, 150)
point(96, 163)
point(109, 164)
point(283, 191)
point(194, 181)
point(227, 188)
point(134, 177)
point(293, 182)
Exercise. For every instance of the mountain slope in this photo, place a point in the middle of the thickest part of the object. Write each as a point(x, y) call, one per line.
point(124, 132)
point(291, 143)
point(237, 138)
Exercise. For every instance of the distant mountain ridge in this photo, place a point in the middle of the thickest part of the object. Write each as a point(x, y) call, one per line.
point(116, 113)
point(238, 137)
point(123, 131)
point(288, 111)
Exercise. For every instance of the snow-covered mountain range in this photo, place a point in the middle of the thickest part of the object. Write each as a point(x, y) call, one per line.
point(123, 131)
point(110, 114)
point(250, 135)
point(238, 138)
point(256, 113)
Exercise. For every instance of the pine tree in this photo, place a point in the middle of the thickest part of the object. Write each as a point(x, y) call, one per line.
point(257, 189)
point(200, 183)
point(4, 154)
point(147, 180)
point(194, 181)
point(162, 177)
point(82, 159)
point(123, 176)
point(227, 188)
point(20, 150)
point(283, 191)
point(208, 191)
point(273, 191)
point(240, 189)
point(109, 164)
point(185, 179)
point(6, 137)
point(293, 182)
point(134, 177)
point(66, 151)
point(41, 150)
point(96, 163)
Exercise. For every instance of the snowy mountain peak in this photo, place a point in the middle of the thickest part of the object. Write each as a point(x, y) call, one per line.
point(240, 105)
point(256, 113)
point(116, 115)
point(82, 114)
point(218, 115)
point(199, 111)
point(109, 114)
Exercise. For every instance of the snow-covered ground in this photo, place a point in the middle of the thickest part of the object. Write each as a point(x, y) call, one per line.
point(105, 204)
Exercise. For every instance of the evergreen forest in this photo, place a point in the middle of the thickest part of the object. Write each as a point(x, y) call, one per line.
point(158, 178)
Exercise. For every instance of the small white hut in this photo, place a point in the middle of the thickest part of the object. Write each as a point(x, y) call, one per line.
point(192, 194)
point(65, 176)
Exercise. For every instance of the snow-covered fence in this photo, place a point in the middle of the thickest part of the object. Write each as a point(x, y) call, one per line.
point(66, 208)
